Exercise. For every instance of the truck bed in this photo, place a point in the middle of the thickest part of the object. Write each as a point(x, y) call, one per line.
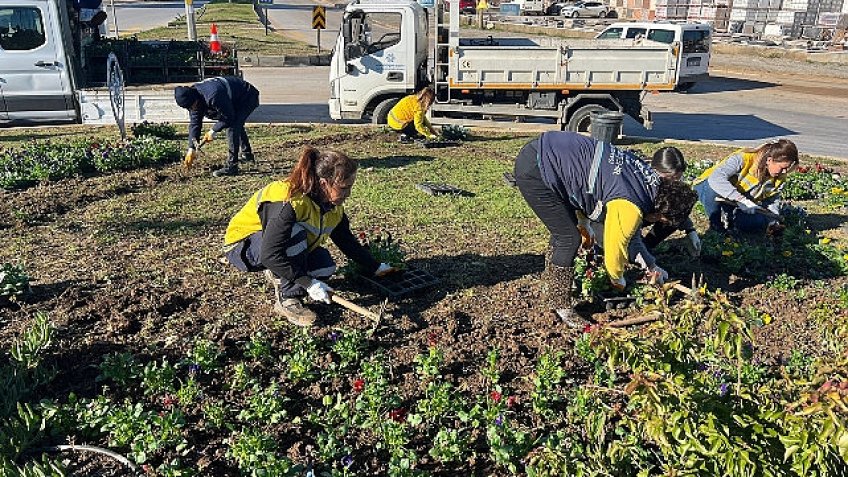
point(150, 102)
point(554, 63)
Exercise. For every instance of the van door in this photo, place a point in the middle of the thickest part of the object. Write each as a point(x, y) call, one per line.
point(33, 72)
point(695, 57)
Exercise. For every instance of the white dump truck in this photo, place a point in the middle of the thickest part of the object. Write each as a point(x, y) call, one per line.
point(53, 68)
point(385, 51)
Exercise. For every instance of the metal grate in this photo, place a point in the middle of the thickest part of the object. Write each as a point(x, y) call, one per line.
point(402, 283)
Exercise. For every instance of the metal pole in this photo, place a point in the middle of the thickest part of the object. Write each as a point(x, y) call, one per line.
point(266, 20)
point(114, 18)
point(192, 27)
point(319, 40)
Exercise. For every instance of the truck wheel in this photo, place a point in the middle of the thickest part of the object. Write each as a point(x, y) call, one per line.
point(381, 111)
point(581, 120)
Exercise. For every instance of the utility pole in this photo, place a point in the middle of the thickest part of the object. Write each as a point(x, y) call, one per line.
point(192, 28)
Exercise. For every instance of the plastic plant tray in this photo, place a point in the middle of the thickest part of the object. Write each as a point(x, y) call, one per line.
point(612, 301)
point(402, 283)
point(509, 179)
point(439, 144)
point(434, 188)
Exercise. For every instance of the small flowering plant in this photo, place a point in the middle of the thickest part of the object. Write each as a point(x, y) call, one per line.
point(13, 280)
point(383, 247)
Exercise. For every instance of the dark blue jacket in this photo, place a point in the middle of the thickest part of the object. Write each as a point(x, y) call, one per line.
point(589, 174)
point(222, 97)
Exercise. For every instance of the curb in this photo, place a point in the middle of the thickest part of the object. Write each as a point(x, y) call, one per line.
point(246, 61)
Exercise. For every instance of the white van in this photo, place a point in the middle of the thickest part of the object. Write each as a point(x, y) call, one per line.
point(530, 7)
point(695, 39)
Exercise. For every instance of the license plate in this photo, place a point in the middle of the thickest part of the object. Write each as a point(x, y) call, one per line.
point(693, 62)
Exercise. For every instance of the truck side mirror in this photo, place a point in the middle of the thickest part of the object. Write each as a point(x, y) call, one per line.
point(352, 51)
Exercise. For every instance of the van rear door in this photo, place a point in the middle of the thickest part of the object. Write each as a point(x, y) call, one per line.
point(695, 58)
point(33, 72)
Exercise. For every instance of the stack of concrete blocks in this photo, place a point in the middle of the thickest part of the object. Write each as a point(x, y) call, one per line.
point(717, 15)
point(803, 18)
point(752, 16)
point(673, 9)
point(640, 10)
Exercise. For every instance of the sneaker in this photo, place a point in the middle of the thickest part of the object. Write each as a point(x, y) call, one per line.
point(404, 139)
point(247, 157)
point(227, 171)
point(295, 312)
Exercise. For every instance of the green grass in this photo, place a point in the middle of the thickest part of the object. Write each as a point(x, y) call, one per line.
point(238, 27)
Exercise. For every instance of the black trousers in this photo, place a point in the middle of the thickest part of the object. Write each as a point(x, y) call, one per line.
point(237, 140)
point(558, 215)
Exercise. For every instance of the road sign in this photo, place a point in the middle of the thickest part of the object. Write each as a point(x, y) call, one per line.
point(319, 18)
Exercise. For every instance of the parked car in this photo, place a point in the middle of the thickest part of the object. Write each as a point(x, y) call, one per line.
point(555, 8)
point(465, 6)
point(585, 9)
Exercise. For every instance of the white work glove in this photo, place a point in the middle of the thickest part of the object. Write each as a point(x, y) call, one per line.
point(619, 284)
point(384, 269)
point(747, 205)
point(319, 291)
point(657, 275)
point(693, 245)
point(587, 233)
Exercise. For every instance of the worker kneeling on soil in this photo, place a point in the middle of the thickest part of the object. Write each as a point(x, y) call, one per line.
point(229, 100)
point(409, 116)
point(742, 192)
point(562, 173)
point(283, 227)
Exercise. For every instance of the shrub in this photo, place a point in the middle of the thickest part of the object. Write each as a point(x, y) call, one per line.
point(160, 130)
point(13, 280)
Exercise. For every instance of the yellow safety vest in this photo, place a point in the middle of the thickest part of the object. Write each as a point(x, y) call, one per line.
point(746, 182)
point(308, 217)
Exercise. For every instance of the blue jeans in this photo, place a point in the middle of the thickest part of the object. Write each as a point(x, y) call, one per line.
point(245, 256)
point(749, 223)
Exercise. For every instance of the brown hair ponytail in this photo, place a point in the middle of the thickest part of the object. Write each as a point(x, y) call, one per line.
point(783, 151)
point(314, 165)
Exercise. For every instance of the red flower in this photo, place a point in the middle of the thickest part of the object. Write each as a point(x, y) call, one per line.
point(168, 401)
point(147, 468)
point(587, 329)
point(362, 236)
point(511, 401)
point(432, 338)
point(398, 415)
point(589, 273)
point(496, 396)
point(358, 385)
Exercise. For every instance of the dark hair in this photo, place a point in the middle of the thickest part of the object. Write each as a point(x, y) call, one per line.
point(314, 166)
point(668, 160)
point(782, 150)
point(674, 200)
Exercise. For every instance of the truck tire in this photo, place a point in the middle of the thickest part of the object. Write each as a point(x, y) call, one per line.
point(381, 111)
point(581, 120)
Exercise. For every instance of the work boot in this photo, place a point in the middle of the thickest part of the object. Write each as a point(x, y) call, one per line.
point(404, 139)
point(227, 171)
point(294, 311)
point(247, 157)
point(559, 281)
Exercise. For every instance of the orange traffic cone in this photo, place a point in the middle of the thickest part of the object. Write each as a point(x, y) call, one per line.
point(214, 44)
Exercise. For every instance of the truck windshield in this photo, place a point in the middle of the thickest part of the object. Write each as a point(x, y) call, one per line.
point(382, 30)
point(696, 41)
point(21, 28)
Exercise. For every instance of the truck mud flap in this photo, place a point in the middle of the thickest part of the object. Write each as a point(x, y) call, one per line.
point(647, 118)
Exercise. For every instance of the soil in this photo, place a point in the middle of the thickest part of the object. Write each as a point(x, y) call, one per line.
point(114, 289)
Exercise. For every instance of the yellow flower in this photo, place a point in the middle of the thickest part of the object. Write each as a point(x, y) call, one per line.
point(727, 240)
point(845, 257)
point(837, 190)
point(727, 253)
point(787, 253)
point(735, 245)
point(825, 240)
point(766, 318)
point(807, 231)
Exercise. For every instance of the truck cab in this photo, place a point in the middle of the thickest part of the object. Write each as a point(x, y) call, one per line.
point(36, 80)
point(380, 56)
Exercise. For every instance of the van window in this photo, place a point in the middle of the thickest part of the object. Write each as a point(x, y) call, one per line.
point(634, 32)
point(611, 33)
point(21, 28)
point(696, 41)
point(662, 36)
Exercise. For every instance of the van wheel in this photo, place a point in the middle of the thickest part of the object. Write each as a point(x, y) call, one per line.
point(581, 120)
point(381, 111)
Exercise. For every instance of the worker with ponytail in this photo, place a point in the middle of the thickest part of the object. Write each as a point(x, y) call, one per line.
point(742, 192)
point(282, 230)
point(409, 116)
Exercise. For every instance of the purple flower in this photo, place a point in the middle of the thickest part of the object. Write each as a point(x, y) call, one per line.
point(717, 373)
point(499, 420)
point(193, 369)
point(723, 389)
point(702, 366)
point(334, 336)
point(347, 461)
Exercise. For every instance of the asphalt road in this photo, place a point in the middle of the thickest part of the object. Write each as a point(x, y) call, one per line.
point(134, 16)
point(728, 109)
